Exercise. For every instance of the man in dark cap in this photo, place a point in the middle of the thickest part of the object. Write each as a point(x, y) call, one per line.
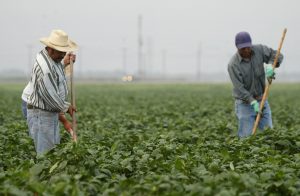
point(248, 75)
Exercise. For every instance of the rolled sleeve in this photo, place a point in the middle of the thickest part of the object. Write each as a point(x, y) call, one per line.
point(270, 54)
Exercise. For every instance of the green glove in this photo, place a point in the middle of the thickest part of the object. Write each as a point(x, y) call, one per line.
point(269, 71)
point(255, 106)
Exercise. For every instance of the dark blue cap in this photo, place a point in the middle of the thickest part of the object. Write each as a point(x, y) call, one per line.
point(243, 40)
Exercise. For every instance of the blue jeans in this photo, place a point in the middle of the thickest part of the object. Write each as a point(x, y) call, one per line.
point(24, 109)
point(246, 117)
point(44, 129)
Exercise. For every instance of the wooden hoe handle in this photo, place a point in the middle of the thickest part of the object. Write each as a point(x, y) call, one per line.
point(74, 124)
point(264, 98)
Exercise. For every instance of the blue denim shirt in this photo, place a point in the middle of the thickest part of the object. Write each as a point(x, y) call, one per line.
point(248, 76)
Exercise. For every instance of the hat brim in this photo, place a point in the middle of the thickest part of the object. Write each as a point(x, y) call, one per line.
point(244, 45)
point(72, 46)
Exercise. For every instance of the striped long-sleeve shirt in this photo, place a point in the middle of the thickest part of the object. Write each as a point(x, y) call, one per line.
point(48, 84)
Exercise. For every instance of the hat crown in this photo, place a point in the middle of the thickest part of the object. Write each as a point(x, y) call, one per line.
point(242, 38)
point(58, 38)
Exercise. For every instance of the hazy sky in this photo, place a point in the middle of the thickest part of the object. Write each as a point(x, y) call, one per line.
point(173, 30)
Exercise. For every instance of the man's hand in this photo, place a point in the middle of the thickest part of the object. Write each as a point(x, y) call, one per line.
point(69, 57)
point(71, 110)
point(255, 106)
point(269, 71)
point(67, 126)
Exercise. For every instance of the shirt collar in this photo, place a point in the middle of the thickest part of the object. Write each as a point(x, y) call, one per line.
point(50, 59)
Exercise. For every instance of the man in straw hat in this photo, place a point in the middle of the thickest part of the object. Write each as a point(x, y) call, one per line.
point(248, 75)
point(46, 92)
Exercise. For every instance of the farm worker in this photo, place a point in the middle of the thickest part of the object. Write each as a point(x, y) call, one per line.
point(48, 91)
point(248, 76)
point(28, 90)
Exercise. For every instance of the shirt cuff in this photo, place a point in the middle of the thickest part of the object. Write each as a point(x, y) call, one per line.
point(251, 99)
point(66, 107)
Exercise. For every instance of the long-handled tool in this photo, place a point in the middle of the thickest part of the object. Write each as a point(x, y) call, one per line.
point(74, 124)
point(262, 103)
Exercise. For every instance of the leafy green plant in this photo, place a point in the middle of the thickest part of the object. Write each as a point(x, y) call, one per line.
point(138, 139)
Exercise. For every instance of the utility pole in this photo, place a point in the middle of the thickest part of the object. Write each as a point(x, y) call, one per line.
point(140, 46)
point(30, 64)
point(124, 59)
point(164, 62)
point(80, 62)
point(198, 61)
point(149, 55)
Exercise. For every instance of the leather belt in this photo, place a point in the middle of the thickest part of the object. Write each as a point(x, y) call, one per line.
point(257, 98)
point(29, 106)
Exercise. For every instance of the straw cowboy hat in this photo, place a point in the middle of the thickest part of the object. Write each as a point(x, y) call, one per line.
point(60, 41)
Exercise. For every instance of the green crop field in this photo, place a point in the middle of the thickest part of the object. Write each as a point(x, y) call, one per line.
point(138, 139)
